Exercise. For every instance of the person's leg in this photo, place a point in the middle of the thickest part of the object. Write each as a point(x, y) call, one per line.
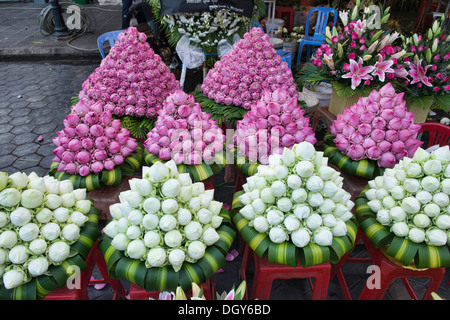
point(126, 4)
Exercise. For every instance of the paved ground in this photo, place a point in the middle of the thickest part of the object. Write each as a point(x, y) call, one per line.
point(39, 75)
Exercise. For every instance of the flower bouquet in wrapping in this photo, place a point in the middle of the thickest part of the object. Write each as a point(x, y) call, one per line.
point(44, 223)
point(168, 228)
point(373, 134)
point(407, 209)
point(359, 56)
point(131, 82)
point(185, 134)
point(93, 150)
point(295, 208)
point(197, 293)
point(240, 77)
point(428, 78)
point(273, 123)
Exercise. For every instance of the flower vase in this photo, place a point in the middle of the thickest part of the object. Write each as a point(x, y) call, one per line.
point(338, 103)
point(420, 114)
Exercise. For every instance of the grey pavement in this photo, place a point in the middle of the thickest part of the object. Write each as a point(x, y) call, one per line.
point(38, 77)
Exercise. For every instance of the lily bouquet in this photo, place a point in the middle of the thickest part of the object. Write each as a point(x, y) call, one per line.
point(359, 57)
point(428, 67)
point(295, 36)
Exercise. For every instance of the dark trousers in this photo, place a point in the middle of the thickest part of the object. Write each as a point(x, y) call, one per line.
point(126, 4)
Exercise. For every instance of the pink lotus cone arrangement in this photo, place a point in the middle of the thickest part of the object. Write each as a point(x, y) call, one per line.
point(131, 80)
point(241, 76)
point(184, 133)
point(91, 141)
point(378, 127)
point(274, 122)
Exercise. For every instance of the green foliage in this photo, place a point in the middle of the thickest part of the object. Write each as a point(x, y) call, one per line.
point(138, 127)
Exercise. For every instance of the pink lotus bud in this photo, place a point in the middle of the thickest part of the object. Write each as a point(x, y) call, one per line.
point(81, 108)
point(84, 170)
point(209, 136)
point(69, 132)
point(356, 138)
point(122, 137)
point(178, 157)
point(387, 114)
point(184, 111)
point(72, 119)
point(87, 143)
point(342, 144)
point(400, 155)
point(373, 153)
point(83, 157)
point(116, 124)
point(291, 128)
point(67, 156)
point(105, 118)
point(273, 120)
point(395, 124)
point(82, 129)
point(110, 132)
point(397, 146)
point(400, 111)
point(391, 135)
point(118, 159)
point(61, 166)
point(132, 144)
point(387, 160)
point(373, 107)
point(277, 131)
point(280, 95)
point(273, 108)
point(374, 96)
point(364, 129)
point(311, 139)
point(287, 140)
point(404, 134)
point(290, 105)
point(261, 109)
point(384, 145)
point(74, 145)
point(183, 124)
point(208, 155)
point(358, 109)
point(126, 151)
point(348, 130)
point(367, 117)
point(91, 117)
point(70, 168)
point(97, 107)
point(379, 123)
point(100, 155)
point(179, 97)
point(96, 130)
point(377, 135)
point(164, 141)
point(58, 151)
point(165, 154)
point(261, 123)
point(285, 118)
point(387, 91)
point(154, 148)
point(101, 142)
point(108, 164)
point(252, 115)
point(368, 143)
point(188, 146)
point(356, 152)
point(181, 135)
point(336, 127)
point(406, 123)
point(387, 103)
point(194, 158)
point(411, 146)
point(199, 145)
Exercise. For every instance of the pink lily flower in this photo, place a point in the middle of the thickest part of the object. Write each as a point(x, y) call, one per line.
point(418, 74)
point(382, 67)
point(358, 73)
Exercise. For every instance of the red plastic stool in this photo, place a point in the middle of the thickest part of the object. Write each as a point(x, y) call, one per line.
point(287, 14)
point(138, 293)
point(266, 273)
point(390, 271)
point(95, 257)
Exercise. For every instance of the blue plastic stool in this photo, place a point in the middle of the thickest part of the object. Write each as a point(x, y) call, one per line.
point(111, 37)
point(318, 38)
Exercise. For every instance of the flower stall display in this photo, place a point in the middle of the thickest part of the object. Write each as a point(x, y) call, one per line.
point(407, 210)
point(428, 79)
point(206, 30)
point(240, 77)
point(361, 57)
point(196, 293)
point(93, 150)
point(273, 123)
point(295, 208)
point(185, 134)
point(167, 231)
point(373, 134)
point(44, 224)
point(131, 82)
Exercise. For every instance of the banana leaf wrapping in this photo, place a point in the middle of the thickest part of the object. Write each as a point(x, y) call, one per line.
point(287, 253)
point(39, 287)
point(165, 278)
point(243, 164)
point(111, 178)
point(199, 172)
point(363, 168)
point(406, 252)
